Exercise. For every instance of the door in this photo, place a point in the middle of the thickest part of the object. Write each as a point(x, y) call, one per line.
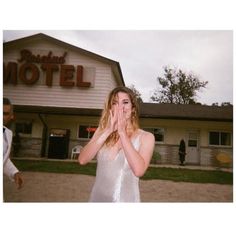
point(192, 156)
point(58, 143)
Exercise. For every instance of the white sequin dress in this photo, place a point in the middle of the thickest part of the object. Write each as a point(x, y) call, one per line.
point(115, 181)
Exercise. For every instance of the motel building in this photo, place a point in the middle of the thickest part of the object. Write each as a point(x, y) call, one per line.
point(58, 92)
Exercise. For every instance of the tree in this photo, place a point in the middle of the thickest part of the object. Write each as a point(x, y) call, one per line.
point(178, 87)
point(136, 92)
point(223, 104)
point(226, 104)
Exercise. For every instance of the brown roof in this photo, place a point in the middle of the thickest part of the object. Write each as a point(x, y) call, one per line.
point(186, 112)
point(147, 110)
point(56, 110)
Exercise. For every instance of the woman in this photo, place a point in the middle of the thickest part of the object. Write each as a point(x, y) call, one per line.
point(123, 151)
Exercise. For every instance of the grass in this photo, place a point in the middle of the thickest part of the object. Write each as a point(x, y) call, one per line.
point(55, 167)
point(189, 175)
point(177, 175)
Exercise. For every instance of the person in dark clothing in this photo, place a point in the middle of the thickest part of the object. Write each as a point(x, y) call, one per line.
point(182, 152)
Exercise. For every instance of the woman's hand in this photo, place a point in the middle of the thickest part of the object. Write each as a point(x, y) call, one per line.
point(112, 124)
point(121, 124)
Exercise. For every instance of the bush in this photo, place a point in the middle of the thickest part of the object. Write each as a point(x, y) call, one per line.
point(156, 156)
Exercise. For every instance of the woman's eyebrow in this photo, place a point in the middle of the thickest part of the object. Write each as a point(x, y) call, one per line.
point(125, 100)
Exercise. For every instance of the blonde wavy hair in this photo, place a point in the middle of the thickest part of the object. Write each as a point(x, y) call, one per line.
point(113, 138)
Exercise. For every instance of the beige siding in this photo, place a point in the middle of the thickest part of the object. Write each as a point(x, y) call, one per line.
point(176, 129)
point(43, 95)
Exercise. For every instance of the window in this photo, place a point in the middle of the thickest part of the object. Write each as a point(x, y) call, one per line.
point(23, 127)
point(86, 131)
point(220, 138)
point(192, 139)
point(157, 132)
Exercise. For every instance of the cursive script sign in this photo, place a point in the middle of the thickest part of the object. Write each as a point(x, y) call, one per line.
point(29, 57)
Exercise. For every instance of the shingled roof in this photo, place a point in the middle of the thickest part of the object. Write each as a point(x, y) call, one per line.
point(147, 110)
point(186, 112)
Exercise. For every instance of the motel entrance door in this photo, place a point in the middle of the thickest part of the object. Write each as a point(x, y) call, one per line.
point(192, 148)
point(58, 143)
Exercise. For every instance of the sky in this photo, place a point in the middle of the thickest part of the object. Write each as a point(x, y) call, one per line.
point(143, 54)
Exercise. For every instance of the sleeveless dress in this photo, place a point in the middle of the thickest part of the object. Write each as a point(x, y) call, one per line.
point(115, 181)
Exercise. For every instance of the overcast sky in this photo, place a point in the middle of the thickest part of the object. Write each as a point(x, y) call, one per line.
point(142, 54)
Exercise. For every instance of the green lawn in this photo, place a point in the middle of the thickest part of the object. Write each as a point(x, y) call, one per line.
point(178, 174)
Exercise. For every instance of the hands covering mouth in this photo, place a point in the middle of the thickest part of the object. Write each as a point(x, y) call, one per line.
point(117, 119)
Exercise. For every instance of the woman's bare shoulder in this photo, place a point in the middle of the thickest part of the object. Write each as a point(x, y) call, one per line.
point(147, 135)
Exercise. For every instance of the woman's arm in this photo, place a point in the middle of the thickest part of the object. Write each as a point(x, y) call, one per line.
point(138, 160)
point(94, 145)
